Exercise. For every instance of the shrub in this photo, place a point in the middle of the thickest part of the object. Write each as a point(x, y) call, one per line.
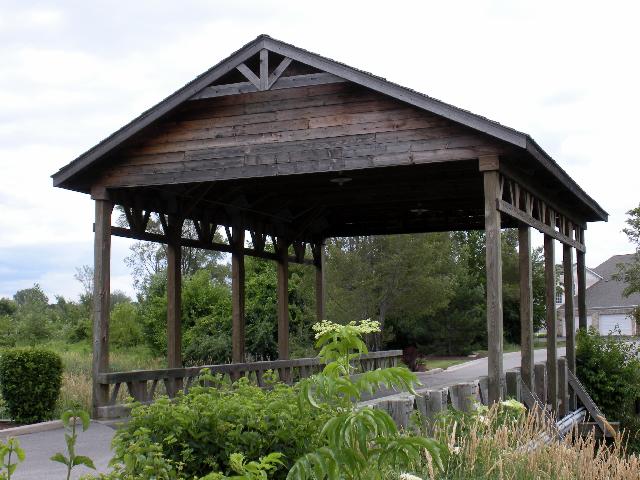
point(125, 328)
point(30, 381)
point(609, 369)
point(199, 432)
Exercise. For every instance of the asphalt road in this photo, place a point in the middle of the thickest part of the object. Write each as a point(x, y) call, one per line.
point(96, 441)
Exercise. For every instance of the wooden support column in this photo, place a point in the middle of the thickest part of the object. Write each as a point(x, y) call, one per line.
point(174, 293)
point(283, 298)
point(526, 305)
point(101, 297)
point(569, 317)
point(550, 315)
point(494, 276)
point(582, 285)
point(320, 301)
point(237, 297)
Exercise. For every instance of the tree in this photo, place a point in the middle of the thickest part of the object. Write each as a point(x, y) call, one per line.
point(31, 315)
point(630, 272)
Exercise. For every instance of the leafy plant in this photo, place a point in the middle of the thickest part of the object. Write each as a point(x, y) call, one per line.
point(249, 470)
point(198, 432)
point(359, 443)
point(7, 467)
point(70, 420)
point(30, 380)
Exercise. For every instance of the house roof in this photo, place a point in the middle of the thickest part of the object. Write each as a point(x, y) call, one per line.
point(608, 292)
point(65, 176)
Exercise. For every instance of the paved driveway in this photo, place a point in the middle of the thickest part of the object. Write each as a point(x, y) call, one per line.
point(39, 447)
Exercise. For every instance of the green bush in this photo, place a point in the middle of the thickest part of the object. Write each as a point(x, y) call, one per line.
point(201, 430)
point(30, 380)
point(609, 369)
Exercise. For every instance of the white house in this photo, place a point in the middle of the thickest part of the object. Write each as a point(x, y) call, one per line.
point(608, 310)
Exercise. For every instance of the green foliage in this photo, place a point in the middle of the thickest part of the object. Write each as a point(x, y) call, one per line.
point(70, 419)
point(30, 381)
point(125, 329)
point(7, 464)
point(202, 429)
point(630, 272)
point(609, 369)
point(359, 442)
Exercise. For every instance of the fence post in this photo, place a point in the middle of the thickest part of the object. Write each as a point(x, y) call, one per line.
point(540, 373)
point(463, 396)
point(513, 384)
point(563, 387)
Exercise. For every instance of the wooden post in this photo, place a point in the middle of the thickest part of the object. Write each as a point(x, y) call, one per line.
point(563, 388)
point(540, 381)
point(582, 285)
point(283, 298)
point(174, 293)
point(551, 321)
point(494, 283)
point(101, 297)
point(237, 297)
point(319, 264)
point(569, 318)
point(526, 305)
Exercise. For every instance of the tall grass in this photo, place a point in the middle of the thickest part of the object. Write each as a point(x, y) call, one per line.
point(76, 379)
point(490, 446)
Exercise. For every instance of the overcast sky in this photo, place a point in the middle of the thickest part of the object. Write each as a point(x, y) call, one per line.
point(72, 72)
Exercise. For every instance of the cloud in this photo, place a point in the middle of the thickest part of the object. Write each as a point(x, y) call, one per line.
point(74, 73)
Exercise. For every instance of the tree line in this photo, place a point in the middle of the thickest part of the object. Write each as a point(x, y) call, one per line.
point(426, 290)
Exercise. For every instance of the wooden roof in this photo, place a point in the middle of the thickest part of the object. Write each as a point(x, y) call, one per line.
point(443, 166)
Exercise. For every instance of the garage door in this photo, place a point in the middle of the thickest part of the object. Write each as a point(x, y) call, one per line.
point(611, 323)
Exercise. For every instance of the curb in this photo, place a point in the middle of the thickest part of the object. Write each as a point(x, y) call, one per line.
point(433, 371)
point(33, 428)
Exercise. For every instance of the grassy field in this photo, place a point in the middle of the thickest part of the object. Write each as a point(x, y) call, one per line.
point(76, 380)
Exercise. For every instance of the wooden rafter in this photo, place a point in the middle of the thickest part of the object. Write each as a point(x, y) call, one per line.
point(279, 70)
point(536, 213)
point(249, 75)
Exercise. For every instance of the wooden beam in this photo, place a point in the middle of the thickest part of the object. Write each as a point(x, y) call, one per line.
point(264, 69)
point(225, 90)
point(279, 70)
point(569, 317)
point(320, 283)
point(526, 305)
point(582, 287)
point(551, 322)
point(174, 296)
point(101, 300)
point(283, 298)
point(494, 284)
point(548, 230)
point(306, 80)
point(238, 296)
point(191, 243)
point(249, 75)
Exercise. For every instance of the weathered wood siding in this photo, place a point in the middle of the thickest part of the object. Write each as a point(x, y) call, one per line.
point(296, 130)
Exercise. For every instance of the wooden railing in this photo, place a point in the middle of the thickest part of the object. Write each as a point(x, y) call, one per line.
point(146, 385)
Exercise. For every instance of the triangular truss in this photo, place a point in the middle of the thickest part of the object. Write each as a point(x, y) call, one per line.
point(269, 73)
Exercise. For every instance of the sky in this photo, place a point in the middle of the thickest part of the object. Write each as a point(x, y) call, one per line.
point(72, 72)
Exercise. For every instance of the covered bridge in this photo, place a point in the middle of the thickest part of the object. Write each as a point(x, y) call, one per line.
point(283, 143)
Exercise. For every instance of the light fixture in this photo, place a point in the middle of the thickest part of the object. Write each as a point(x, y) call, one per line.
point(340, 180)
point(419, 210)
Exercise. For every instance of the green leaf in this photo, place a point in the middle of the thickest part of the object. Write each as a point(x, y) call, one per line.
point(60, 458)
point(83, 460)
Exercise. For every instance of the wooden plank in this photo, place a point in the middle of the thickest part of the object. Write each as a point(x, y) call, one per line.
point(264, 69)
point(238, 297)
point(252, 77)
point(174, 289)
point(526, 305)
point(540, 381)
point(101, 300)
point(548, 230)
point(224, 90)
point(582, 289)
point(494, 285)
point(283, 298)
point(278, 71)
point(587, 401)
point(569, 316)
point(551, 322)
point(306, 80)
